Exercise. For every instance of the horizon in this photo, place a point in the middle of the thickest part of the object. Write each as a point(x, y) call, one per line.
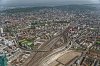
point(13, 3)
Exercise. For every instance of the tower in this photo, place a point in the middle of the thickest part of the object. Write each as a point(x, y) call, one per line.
point(1, 30)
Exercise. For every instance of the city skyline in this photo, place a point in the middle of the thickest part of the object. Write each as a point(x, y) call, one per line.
point(49, 33)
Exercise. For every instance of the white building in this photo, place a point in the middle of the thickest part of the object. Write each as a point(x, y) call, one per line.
point(1, 30)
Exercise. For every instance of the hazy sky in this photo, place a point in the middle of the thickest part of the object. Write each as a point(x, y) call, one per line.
point(20, 2)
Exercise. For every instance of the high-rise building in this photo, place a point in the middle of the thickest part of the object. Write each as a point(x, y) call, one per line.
point(1, 30)
point(3, 60)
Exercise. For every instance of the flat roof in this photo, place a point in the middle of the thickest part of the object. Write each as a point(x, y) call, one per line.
point(53, 63)
point(66, 58)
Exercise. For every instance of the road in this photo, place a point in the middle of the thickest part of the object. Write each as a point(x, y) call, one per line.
point(35, 57)
point(54, 55)
point(41, 58)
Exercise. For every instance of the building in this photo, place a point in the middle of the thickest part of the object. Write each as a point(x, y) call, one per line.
point(3, 60)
